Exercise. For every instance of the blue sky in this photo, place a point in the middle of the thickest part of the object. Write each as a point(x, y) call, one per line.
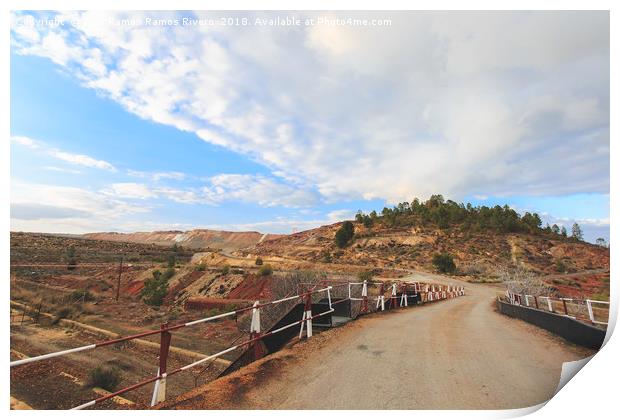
point(275, 129)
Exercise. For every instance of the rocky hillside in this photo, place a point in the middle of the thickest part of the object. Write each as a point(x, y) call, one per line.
point(482, 241)
point(413, 246)
point(194, 239)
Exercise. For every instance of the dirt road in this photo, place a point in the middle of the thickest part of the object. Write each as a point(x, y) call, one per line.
point(455, 354)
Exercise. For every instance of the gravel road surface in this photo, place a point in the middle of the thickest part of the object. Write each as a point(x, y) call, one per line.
point(454, 354)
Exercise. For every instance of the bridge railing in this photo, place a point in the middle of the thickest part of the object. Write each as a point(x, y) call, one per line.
point(594, 311)
point(355, 292)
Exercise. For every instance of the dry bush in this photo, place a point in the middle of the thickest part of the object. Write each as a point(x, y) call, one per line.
point(522, 281)
point(473, 269)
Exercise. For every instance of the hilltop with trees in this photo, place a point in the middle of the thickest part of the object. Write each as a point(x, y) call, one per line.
point(443, 235)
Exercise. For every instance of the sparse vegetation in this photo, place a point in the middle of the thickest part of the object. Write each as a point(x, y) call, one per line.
point(259, 261)
point(601, 242)
point(172, 260)
point(155, 289)
point(522, 281)
point(265, 270)
point(364, 219)
point(344, 234)
point(225, 269)
point(71, 259)
point(577, 234)
point(105, 377)
point(83, 295)
point(447, 213)
point(365, 275)
point(560, 266)
point(62, 313)
point(201, 267)
point(444, 262)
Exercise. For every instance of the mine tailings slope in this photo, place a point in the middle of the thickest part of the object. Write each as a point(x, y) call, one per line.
point(454, 354)
point(197, 238)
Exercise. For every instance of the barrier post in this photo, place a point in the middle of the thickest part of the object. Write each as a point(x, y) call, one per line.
point(393, 300)
point(255, 330)
point(159, 391)
point(536, 302)
point(590, 311)
point(527, 301)
point(549, 305)
point(381, 298)
point(364, 297)
point(404, 296)
point(307, 317)
point(565, 307)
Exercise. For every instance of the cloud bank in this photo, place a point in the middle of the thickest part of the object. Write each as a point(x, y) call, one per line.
point(461, 103)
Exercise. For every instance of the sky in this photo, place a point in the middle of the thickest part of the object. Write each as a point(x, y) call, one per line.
point(139, 121)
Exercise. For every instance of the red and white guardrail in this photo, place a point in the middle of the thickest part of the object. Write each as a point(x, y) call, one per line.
point(433, 292)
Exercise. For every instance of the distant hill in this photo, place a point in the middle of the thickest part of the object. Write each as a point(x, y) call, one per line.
point(482, 240)
point(194, 239)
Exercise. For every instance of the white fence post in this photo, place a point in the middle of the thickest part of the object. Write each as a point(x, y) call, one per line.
point(549, 305)
point(255, 323)
point(527, 301)
point(590, 311)
point(155, 397)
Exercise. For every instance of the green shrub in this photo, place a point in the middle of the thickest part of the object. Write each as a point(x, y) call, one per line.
point(71, 259)
point(265, 270)
point(225, 270)
point(344, 234)
point(201, 267)
point(105, 377)
point(168, 273)
point(365, 275)
point(444, 263)
point(259, 261)
point(560, 266)
point(155, 289)
point(172, 260)
point(61, 313)
point(81, 295)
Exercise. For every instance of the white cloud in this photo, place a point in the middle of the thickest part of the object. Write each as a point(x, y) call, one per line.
point(82, 160)
point(65, 170)
point(130, 190)
point(487, 103)
point(25, 141)
point(157, 176)
point(44, 208)
point(255, 189)
point(73, 158)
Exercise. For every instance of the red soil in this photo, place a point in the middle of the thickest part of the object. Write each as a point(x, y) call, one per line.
point(252, 288)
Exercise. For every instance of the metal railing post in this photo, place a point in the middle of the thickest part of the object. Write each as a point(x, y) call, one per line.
point(565, 307)
point(393, 300)
point(159, 390)
point(381, 298)
point(364, 297)
point(308, 315)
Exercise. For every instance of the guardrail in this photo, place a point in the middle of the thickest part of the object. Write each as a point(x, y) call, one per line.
point(569, 307)
point(429, 292)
